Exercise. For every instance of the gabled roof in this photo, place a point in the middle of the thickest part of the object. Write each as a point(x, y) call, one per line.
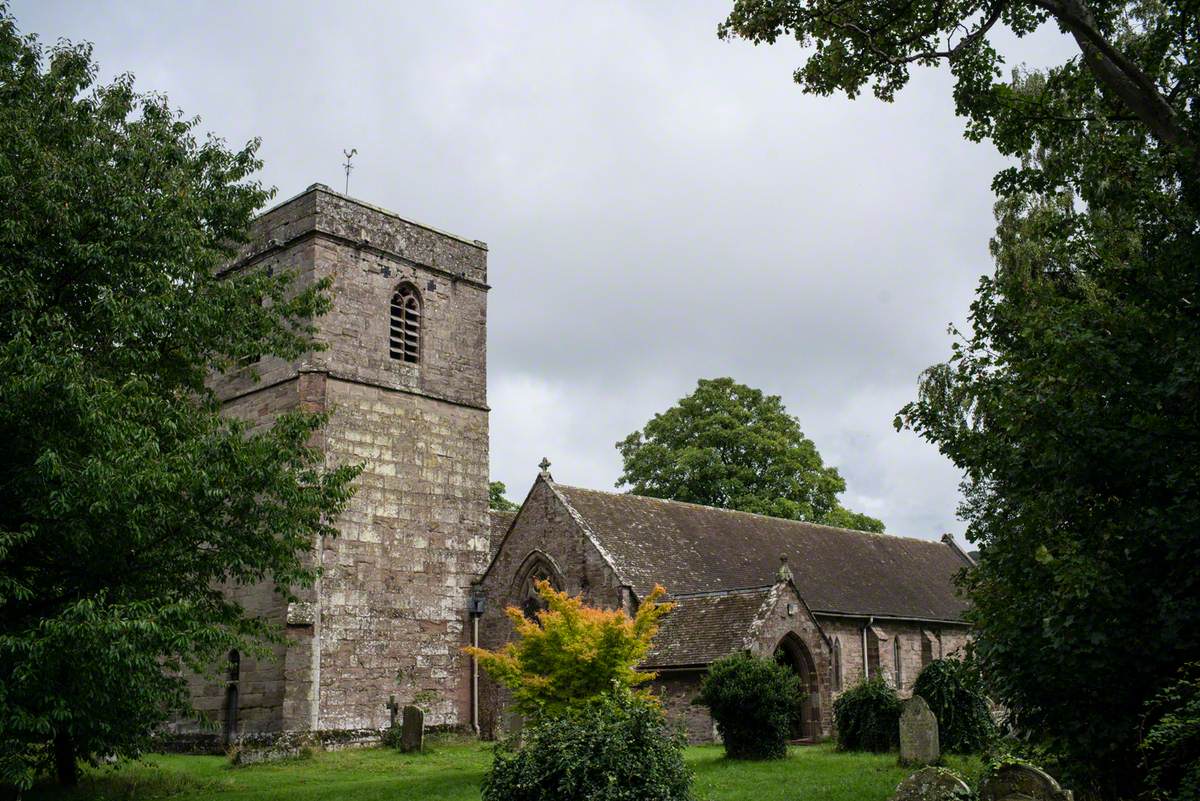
point(499, 523)
point(704, 628)
point(698, 549)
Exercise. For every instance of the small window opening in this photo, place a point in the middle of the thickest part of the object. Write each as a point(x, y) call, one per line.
point(837, 665)
point(897, 662)
point(404, 338)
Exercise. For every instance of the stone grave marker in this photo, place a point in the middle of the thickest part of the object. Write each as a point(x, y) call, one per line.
point(393, 709)
point(1021, 783)
point(412, 731)
point(932, 784)
point(918, 733)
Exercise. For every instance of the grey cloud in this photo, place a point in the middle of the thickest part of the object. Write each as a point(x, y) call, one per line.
point(660, 206)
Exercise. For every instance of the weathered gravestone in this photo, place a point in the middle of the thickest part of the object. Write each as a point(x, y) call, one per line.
point(412, 729)
point(932, 784)
point(1021, 783)
point(918, 733)
point(393, 709)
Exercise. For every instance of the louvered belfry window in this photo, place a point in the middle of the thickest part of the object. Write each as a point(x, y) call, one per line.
point(404, 339)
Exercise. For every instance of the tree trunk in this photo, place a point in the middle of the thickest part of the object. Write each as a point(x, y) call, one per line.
point(65, 764)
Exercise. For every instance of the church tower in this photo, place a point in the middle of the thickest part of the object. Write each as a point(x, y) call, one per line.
point(403, 376)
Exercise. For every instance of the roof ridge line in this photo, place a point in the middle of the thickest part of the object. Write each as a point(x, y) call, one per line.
point(586, 529)
point(716, 593)
point(754, 514)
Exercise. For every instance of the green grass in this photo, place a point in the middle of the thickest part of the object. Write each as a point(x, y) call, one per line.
point(452, 770)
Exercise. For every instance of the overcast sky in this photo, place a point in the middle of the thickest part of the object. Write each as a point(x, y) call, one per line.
point(660, 206)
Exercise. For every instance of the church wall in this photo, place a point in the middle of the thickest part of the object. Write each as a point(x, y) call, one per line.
point(369, 254)
point(676, 690)
point(789, 615)
point(393, 596)
point(945, 639)
point(388, 617)
point(261, 681)
point(543, 524)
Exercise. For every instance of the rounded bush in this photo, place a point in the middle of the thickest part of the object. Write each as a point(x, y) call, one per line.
point(953, 688)
point(753, 701)
point(612, 749)
point(867, 717)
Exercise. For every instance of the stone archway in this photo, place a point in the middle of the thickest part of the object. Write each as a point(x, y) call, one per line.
point(792, 652)
point(537, 566)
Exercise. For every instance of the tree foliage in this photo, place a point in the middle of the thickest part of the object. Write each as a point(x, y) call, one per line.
point(753, 701)
point(866, 717)
point(730, 446)
point(1139, 56)
point(1071, 405)
point(1170, 749)
point(954, 690)
point(615, 747)
point(570, 653)
point(496, 499)
point(125, 497)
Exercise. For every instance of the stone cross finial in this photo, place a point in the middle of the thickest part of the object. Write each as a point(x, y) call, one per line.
point(784, 573)
point(544, 465)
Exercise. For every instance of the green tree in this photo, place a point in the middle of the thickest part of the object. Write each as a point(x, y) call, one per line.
point(1071, 404)
point(496, 499)
point(125, 497)
point(730, 446)
point(1138, 55)
point(572, 654)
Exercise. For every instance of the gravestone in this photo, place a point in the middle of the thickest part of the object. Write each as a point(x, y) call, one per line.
point(412, 731)
point(393, 709)
point(932, 784)
point(1021, 783)
point(918, 733)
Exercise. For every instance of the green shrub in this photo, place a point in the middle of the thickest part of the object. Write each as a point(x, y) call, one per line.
point(610, 749)
point(867, 717)
point(953, 689)
point(1171, 748)
point(753, 702)
point(391, 736)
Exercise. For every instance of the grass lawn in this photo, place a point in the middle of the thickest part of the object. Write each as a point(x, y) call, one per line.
point(452, 770)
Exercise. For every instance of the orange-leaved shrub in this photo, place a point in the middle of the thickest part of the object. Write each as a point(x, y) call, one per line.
point(572, 653)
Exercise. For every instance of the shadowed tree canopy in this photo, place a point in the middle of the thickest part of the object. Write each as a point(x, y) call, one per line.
point(1072, 405)
point(730, 446)
point(126, 498)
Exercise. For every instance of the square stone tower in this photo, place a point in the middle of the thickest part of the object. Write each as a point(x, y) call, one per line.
point(404, 378)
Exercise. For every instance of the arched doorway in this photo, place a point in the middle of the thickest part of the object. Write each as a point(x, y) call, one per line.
point(792, 652)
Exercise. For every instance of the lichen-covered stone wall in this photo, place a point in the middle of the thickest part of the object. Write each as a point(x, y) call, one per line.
point(543, 530)
point(388, 616)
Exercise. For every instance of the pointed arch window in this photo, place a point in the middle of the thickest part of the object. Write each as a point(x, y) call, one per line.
point(837, 665)
point(898, 663)
point(404, 335)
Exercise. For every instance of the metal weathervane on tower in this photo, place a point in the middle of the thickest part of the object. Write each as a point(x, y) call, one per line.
point(349, 155)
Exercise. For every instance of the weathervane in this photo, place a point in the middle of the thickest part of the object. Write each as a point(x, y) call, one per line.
point(349, 155)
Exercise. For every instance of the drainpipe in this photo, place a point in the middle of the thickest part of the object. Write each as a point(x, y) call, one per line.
point(475, 676)
point(476, 611)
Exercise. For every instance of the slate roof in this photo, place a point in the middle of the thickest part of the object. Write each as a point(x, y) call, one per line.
point(690, 548)
point(499, 522)
point(703, 628)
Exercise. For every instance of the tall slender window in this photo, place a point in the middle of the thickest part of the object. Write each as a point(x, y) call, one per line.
point(404, 337)
point(837, 665)
point(896, 662)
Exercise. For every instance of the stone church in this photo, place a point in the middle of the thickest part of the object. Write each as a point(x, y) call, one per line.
point(421, 568)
